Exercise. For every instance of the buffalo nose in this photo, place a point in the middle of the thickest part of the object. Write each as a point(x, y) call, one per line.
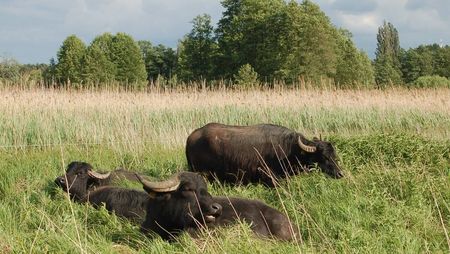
point(216, 208)
point(339, 175)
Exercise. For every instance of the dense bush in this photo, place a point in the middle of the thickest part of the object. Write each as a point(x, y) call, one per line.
point(246, 77)
point(431, 82)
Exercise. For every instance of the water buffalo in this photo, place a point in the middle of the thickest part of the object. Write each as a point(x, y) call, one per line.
point(178, 204)
point(209, 211)
point(258, 153)
point(86, 185)
point(263, 219)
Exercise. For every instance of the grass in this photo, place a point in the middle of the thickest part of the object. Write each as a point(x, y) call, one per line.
point(394, 146)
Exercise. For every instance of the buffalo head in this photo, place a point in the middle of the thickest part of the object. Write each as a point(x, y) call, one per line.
point(79, 179)
point(179, 203)
point(323, 153)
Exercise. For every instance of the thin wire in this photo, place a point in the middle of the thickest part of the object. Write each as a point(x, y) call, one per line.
point(65, 144)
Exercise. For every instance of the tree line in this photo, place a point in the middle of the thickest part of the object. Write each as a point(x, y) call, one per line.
point(254, 41)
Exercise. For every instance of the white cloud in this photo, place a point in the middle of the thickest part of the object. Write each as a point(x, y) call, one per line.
point(360, 23)
point(33, 30)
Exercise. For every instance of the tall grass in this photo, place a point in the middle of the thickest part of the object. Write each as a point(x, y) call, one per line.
point(394, 146)
point(41, 117)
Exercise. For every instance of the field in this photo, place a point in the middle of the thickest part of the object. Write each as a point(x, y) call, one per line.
point(394, 148)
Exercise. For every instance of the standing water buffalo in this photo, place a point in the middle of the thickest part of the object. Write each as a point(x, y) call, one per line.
point(244, 153)
point(86, 185)
point(209, 211)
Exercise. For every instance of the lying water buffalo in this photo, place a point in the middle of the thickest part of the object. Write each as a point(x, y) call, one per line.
point(217, 211)
point(86, 185)
point(263, 219)
point(178, 204)
point(244, 153)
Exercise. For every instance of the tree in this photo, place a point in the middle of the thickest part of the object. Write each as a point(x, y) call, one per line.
point(97, 64)
point(246, 77)
point(311, 49)
point(70, 55)
point(9, 69)
point(354, 67)
point(49, 73)
point(197, 51)
point(127, 58)
point(159, 60)
point(250, 32)
point(443, 62)
point(387, 56)
point(415, 63)
point(228, 36)
point(386, 73)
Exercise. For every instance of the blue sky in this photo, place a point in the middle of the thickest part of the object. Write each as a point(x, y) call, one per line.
point(32, 31)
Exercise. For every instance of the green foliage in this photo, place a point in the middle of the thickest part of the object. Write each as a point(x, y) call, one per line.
point(25, 75)
point(9, 69)
point(159, 60)
point(49, 74)
point(197, 51)
point(387, 61)
point(442, 61)
point(70, 55)
point(425, 60)
point(354, 68)
point(246, 77)
point(431, 81)
point(97, 64)
point(249, 32)
point(386, 73)
point(312, 44)
point(127, 57)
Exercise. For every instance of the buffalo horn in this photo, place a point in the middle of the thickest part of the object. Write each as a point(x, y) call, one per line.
point(309, 149)
point(168, 185)
point(98, 175)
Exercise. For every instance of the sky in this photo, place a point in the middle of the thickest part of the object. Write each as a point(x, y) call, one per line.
point(31, 31)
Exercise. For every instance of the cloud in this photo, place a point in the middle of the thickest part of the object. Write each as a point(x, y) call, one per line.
point(33, 30)
point(351, 6)
point(417, 21)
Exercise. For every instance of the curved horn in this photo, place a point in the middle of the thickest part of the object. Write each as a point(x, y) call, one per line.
point(168, 185)
point(98, 175)
point(309, 149)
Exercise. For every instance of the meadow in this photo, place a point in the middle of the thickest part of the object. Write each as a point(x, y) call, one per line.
point(393, 145)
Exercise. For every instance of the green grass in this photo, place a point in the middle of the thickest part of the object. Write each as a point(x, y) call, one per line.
point(394, 198)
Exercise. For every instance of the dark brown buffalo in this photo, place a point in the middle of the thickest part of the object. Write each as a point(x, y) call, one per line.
point(179, 204)
point(80, 178)
point(166, 208)
point(263, 219)
point(86, 185)
point(163, 207)
point(243, 154)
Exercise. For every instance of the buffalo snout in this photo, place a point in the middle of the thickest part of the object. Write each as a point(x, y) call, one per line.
point(215, 210)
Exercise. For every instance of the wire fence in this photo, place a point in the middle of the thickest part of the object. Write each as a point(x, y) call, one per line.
point(67, 144)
